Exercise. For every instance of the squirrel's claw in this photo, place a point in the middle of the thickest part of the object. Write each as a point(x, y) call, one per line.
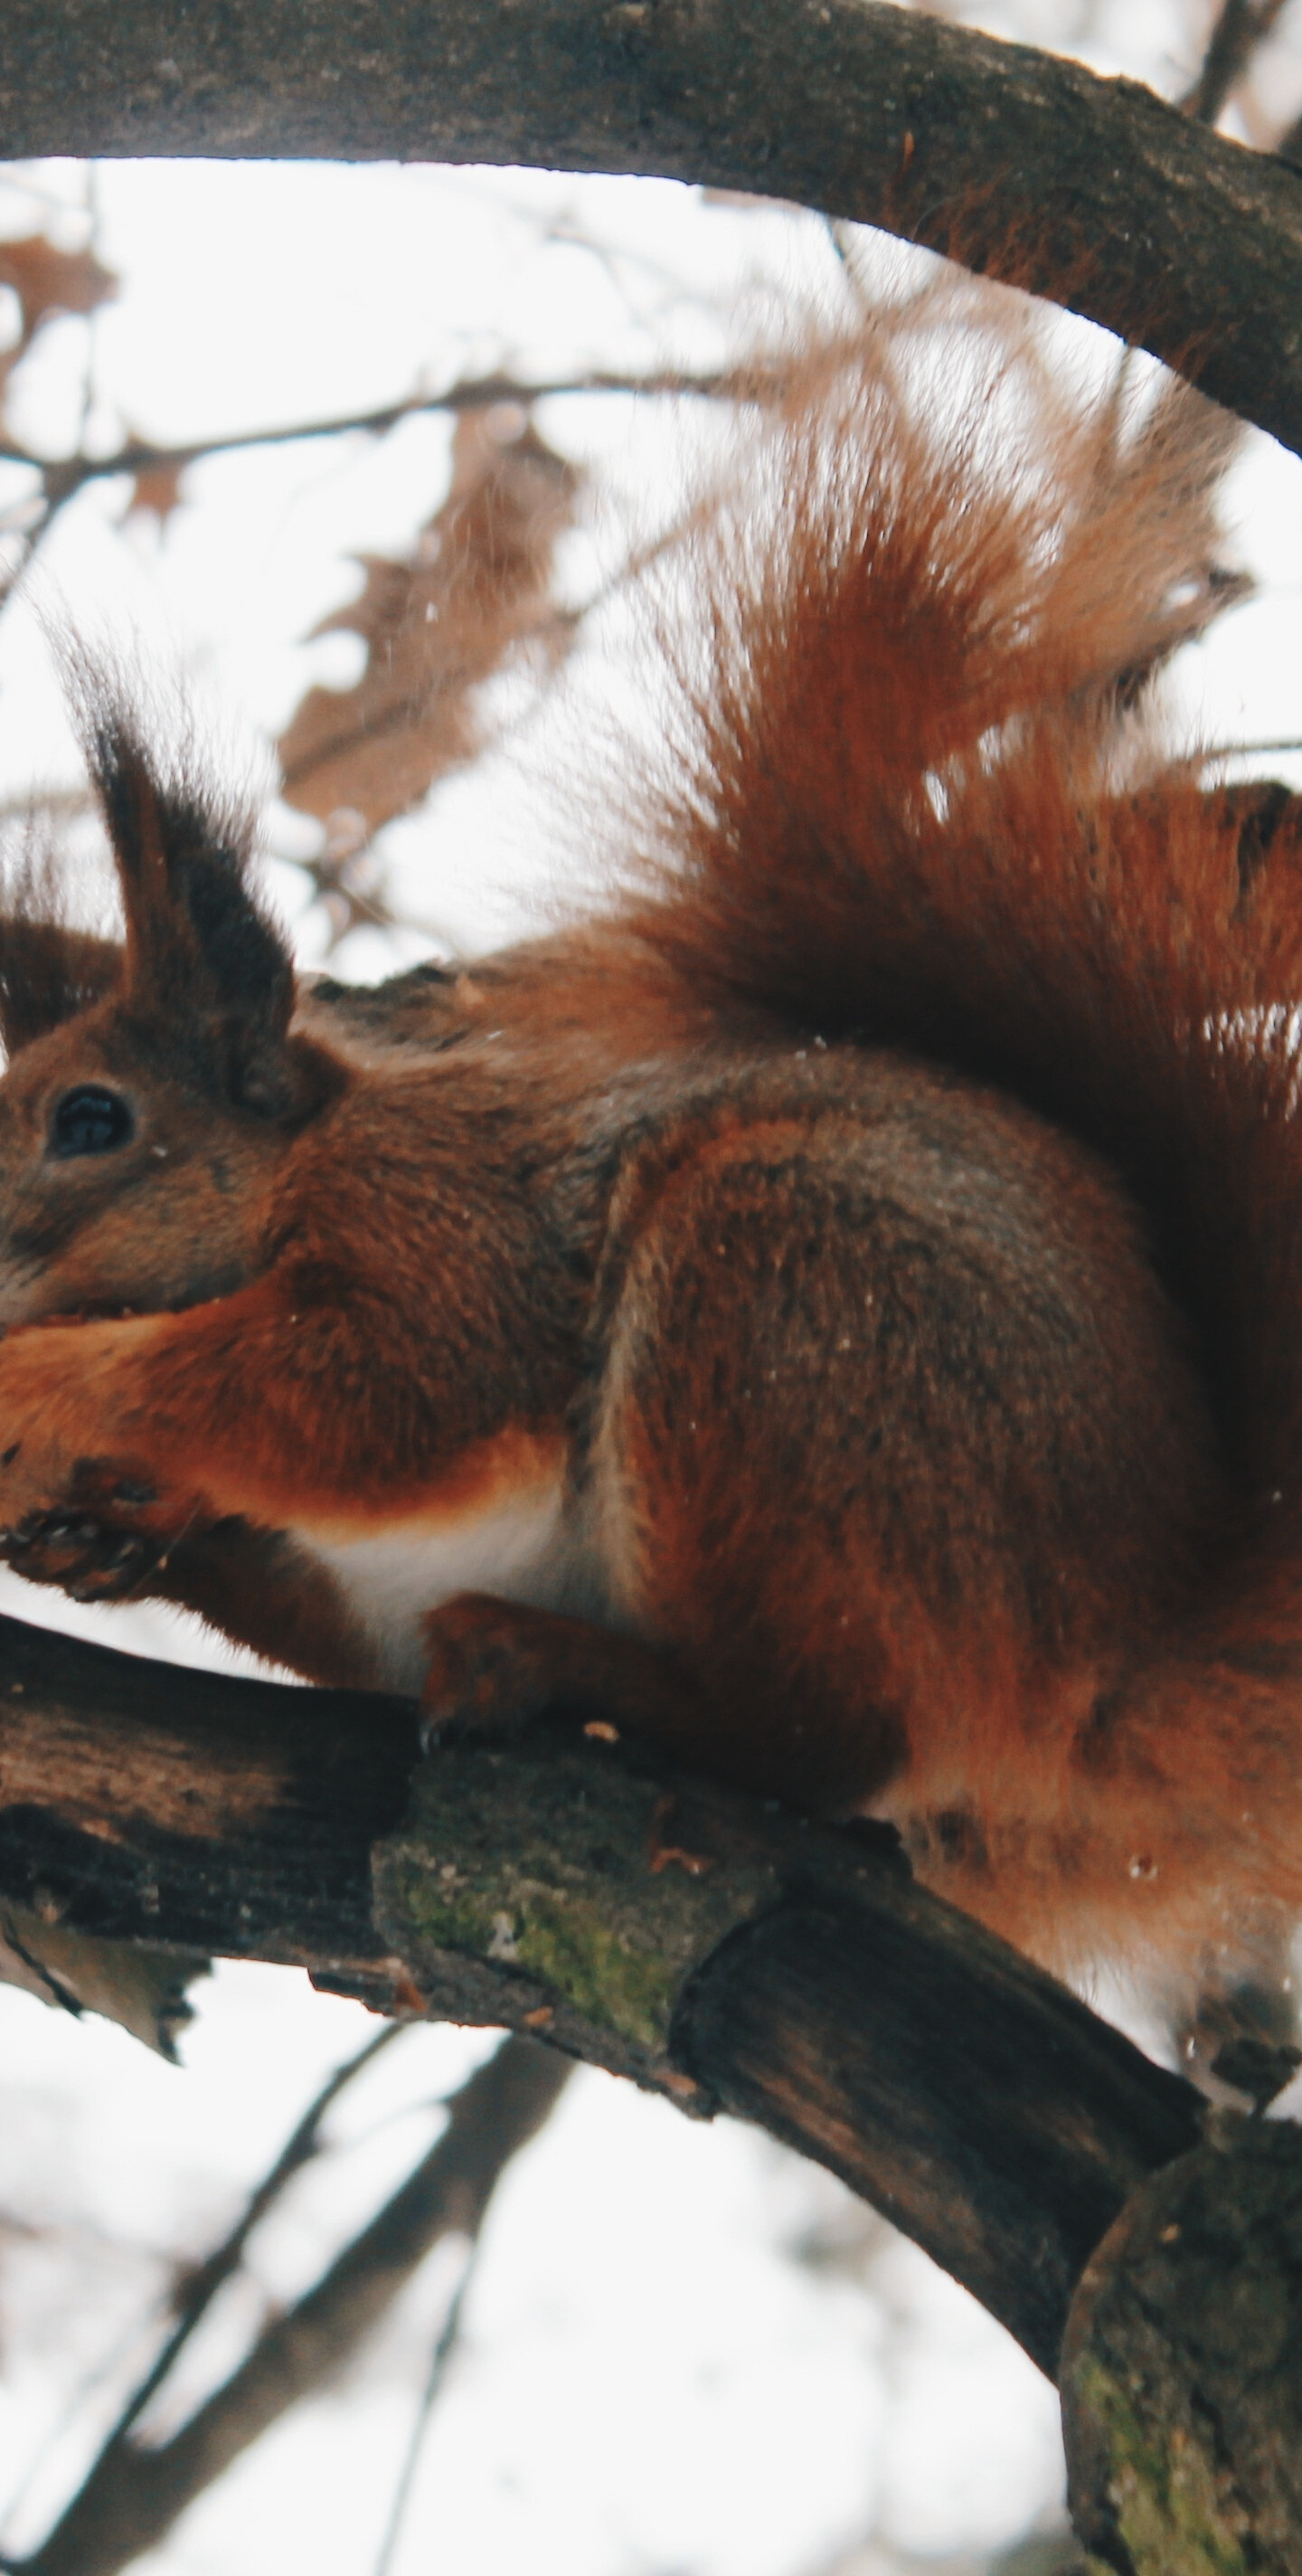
point(86, 1558)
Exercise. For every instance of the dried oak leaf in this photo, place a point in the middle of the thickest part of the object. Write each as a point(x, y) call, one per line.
point(46, 281)
point(158, 489)
point(473, 594)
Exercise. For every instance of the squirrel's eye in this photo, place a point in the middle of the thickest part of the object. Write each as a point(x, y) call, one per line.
point(90, 1120)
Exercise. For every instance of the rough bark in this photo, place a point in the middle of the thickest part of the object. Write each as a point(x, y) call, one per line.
point(1013, 161)
point(735, 1959)
point(135, 1796)
point(723, 1952)
point(1182, 2368)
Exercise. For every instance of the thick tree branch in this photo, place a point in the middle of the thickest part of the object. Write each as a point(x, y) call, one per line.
point(1093, 192)
point(730, 1956)
point(735, 1959)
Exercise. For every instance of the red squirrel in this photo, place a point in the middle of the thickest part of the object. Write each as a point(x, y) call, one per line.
point(834, 1307)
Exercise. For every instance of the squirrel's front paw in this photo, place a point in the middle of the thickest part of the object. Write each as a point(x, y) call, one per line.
point(492, 1669)
point(99, 1536)
point(85, 1557)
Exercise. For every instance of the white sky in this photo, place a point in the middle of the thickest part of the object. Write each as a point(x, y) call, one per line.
point(649, 2384)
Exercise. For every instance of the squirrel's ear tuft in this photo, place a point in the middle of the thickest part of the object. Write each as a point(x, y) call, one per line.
point(48, 974)
point(204, 965)
point(50, 970)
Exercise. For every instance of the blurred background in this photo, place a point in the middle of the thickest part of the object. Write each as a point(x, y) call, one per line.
point(272, 436)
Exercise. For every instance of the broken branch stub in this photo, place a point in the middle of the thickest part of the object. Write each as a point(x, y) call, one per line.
point(1181, 2371)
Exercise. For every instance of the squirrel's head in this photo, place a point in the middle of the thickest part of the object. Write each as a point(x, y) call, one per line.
point(153, 1083)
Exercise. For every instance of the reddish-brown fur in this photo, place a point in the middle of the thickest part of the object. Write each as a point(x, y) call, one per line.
point(873, 1238)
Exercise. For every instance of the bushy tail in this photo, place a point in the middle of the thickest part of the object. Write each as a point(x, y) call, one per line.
point(918, 791)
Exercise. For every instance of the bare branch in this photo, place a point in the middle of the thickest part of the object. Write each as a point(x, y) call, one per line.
point(1241, 26)
point(444, 2347)
point(1012, 161)
point(201, 2285)
point(61, 477)
point(133, 2495)
point(731, 1957)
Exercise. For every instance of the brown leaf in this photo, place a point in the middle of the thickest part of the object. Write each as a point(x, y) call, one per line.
point(158, 489)
point(47, 280)
point(472, 594)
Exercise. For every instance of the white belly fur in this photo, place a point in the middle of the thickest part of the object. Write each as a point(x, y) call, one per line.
point(391, 1578)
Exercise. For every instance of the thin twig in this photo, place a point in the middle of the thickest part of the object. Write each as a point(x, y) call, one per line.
point(63, 476)
point(1248, 750)
point(202, 2284)
point(132, 2495)
point(93, 240)
point(190, 2303)
point(444, 2347)
point(1240, 28)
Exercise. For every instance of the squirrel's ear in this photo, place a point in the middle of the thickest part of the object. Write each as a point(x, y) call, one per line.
point(204, 966)
point(48, 974)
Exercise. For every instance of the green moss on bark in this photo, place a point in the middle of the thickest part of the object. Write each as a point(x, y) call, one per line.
point(1181, 2367)
point(1169, 2516)
point(590, 1887)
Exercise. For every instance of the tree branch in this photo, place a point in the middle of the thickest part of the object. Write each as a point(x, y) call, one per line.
point(730, 1956)
point(1012, 161)
point(199, 2287)
point(133, 2494)
point(1241, 26)
point(63, 476)
point(1182, 2368)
